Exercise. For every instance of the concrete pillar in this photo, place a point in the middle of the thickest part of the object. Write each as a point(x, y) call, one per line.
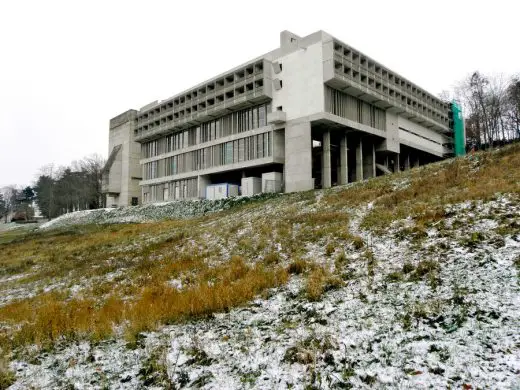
point(343, 160)
point(397, 166)
point(298, 157)
point(359, 160)
point(369, 160)
point(374, 174)
point(326, 180)
point(202, 182)
point(416, 162)
point(407, 162)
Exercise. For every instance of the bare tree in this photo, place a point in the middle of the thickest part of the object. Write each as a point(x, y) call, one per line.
point(10, 196)
point(513, 106)
point(491, 105)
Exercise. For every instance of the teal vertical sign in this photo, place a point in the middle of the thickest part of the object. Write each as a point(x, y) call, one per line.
point(458, 129)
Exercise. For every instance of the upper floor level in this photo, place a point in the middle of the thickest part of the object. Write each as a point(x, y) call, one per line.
point(293, 79)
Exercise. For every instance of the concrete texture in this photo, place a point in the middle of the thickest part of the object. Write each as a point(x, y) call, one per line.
point(121, 175)
point(343, 171)
point(359, 160)
point(325, 164)
point(298, 158)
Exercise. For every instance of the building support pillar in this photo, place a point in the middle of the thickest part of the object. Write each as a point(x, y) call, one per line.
point(298, 157)
point(397, 165)
point(369, 161)
point(374, 172)
point(416, 162)
point(343, 163)
point(359, 160)
point(325, 166)
point(202, 183)
point(407, 162)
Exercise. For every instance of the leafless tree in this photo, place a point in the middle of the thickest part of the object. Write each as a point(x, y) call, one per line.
point(491, 107)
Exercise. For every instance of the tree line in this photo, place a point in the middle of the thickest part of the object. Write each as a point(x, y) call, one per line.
point(491, 106)
point(57, 191)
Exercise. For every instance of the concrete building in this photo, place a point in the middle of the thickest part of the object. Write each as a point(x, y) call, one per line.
point(313, 113)
point(122, 172)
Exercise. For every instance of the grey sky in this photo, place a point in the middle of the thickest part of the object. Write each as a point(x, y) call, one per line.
point(67, 67)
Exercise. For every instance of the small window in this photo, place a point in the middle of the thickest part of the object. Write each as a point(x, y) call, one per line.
point(279, 108)
point(135, 200)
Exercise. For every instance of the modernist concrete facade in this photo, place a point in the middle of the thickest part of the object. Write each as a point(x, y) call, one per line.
point(315, 110)
point(122, 172)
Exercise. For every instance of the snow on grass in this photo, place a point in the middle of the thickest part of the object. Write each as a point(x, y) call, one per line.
point(457, 325)
point(150, 212)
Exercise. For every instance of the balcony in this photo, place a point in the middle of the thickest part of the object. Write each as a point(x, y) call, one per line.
point(276, 117)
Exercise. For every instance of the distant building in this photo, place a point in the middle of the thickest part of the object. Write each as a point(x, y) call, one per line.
point(312, 113)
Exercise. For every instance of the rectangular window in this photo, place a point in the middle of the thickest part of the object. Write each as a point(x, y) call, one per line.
point(261, 116)
point(228, 158)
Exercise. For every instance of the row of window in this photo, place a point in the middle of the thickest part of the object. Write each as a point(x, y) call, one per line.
point(235, 77)
point(244, 149)
point(346, 106)
point(234, 123)
point(173, 190)
point(393, 95)
point(169, 143)
point(355, 58)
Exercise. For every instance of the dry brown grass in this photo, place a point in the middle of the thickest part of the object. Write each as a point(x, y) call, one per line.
point(319, 281)
point(150, 256)
point(7, 377)
point(50, 317)
point(432, 187)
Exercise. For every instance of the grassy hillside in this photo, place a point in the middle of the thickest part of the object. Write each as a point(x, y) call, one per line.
point(422, 253)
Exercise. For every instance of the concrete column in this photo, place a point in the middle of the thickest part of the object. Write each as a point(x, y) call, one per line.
point(416, 162)
point(407, 163)
point(298, 157)
point(359, 160)
point(202, 182)
point(326, 180)
point(369, 160)
point(374, 174)
point(343, 160)
point(397, 167)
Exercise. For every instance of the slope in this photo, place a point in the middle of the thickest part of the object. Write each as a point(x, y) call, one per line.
point(407, 280)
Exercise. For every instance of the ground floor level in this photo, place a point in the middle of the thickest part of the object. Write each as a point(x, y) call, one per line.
point(302, 156)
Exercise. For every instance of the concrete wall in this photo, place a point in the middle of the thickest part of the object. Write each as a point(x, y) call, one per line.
point(420, 137)
point(391, 142)
point(298, 157)
point(125, 171)
point(302, 91)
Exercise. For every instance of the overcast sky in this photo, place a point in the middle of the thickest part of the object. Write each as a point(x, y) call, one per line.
point(67, 67)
